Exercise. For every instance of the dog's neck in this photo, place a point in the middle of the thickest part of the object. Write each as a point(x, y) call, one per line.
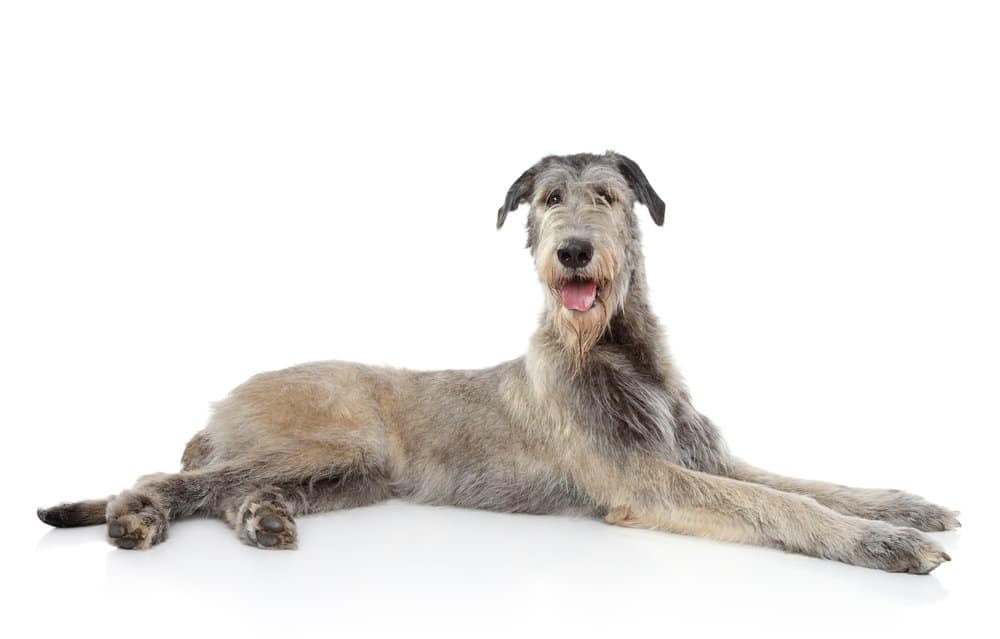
point(635, 332)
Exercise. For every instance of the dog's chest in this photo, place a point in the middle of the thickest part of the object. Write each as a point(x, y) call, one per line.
point(620, 406)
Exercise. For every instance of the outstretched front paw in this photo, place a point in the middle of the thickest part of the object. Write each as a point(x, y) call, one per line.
point(135, 521)
point(895, 549)
point(905, 509)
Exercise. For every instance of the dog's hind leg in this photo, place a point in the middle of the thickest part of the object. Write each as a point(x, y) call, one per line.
point(138, 518)
point(257, 495)
point(91, 512)
point(893, 506)
point(263, 516)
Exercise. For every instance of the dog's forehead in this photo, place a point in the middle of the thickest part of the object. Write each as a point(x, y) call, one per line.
point(579, 171)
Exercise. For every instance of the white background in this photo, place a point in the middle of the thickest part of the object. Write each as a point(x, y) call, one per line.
point(192, 192)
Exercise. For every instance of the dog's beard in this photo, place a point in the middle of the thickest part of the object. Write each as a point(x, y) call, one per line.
point(581, 302)
point(580, 309)
point(579, 331)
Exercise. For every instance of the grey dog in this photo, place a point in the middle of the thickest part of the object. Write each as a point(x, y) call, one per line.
point(594, 420)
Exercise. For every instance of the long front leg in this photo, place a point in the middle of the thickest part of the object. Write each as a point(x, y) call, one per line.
point(893, 506)
point(665, 496)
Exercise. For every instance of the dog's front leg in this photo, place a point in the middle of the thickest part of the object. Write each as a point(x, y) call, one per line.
point(894, 506)
point(676, 499)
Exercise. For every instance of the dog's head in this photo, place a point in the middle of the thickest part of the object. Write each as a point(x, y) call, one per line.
point(584, 236)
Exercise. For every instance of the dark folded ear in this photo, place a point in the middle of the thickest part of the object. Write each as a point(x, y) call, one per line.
point(643, 190)
point(519, 191)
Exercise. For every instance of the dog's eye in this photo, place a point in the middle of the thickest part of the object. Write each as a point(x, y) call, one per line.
point(555, 197)
point(605, 195)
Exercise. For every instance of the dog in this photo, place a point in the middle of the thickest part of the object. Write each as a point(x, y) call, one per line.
point(594, 420)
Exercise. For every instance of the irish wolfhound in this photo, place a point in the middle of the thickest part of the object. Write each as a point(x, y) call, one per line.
point(594, 420)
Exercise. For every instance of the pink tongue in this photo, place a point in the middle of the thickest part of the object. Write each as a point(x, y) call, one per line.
point(579, 296)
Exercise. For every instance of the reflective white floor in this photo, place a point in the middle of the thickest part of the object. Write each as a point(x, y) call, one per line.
point(402, 568)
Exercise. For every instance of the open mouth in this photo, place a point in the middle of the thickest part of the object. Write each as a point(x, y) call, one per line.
point(578, 295)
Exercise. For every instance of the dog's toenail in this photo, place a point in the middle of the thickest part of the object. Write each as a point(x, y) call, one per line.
point(266, 539)
point(271, 523)
point(116, 530)
point(126, 544)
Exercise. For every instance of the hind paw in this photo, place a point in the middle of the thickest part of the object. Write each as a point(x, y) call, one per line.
point(135, 521)
point(267, 524)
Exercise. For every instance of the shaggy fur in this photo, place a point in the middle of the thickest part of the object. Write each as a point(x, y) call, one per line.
point(593, 420)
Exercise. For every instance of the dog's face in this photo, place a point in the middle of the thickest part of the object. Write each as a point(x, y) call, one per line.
point(584, 236)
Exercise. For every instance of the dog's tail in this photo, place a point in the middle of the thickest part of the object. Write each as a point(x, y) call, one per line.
point(79, 513)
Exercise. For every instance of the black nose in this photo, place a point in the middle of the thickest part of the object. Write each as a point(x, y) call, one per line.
point(575, 253)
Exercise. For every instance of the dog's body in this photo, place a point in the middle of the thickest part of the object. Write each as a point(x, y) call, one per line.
point(594, 420)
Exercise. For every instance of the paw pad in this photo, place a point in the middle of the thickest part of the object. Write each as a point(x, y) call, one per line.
point(135, 522)
point(267, 525)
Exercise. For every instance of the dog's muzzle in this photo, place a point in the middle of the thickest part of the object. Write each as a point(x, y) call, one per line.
point(578, 292)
